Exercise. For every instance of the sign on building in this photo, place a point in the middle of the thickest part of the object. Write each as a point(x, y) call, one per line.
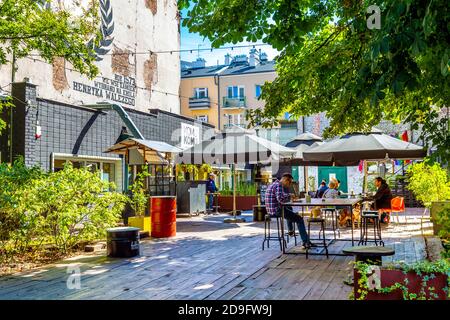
point(190, 135)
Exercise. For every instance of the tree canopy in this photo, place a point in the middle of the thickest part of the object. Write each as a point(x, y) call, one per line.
point(48, 30)
point(332, 62)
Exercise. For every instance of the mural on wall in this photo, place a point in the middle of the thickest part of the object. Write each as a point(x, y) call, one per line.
point(106, 30)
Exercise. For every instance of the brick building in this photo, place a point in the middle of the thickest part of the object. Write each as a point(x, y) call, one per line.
point(52, 122)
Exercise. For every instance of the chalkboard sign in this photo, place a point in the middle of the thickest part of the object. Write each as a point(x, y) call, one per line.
point(262, 190)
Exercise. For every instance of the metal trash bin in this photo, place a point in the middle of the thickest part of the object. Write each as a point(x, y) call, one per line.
point(259, 213)
point(122, 242)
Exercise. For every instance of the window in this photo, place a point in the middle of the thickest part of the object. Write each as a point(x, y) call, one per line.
point(236, 119)
point(202, 118)
point(201, 93)
point(108, 172)
point(236, 92)
point(229, 119)
point(257, 90)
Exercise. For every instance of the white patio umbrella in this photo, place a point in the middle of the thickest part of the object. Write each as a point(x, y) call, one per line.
point(235, 146)
point(354, 147)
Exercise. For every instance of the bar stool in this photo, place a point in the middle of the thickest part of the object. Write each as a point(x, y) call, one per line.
point(267, 237)
point(366, 216)
point(334, 220)
point(322, 229)
point(294, 235)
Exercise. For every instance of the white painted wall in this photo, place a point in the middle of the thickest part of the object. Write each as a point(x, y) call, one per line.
point(137, 30)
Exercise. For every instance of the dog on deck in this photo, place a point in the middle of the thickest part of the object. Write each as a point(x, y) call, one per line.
point(345, 218)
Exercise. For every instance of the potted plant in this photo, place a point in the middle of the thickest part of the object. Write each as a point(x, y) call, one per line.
point(421, 281)
point(246, 197)
point(138, 201)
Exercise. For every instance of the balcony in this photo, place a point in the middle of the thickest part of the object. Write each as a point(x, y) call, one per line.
point(234, 103)
point(232, 125)
point(199, 103)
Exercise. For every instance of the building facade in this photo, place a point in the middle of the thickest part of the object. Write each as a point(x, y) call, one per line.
point(55, 120)
point(221, 95)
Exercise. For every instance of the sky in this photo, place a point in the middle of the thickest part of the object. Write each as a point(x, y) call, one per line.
point(194, 41)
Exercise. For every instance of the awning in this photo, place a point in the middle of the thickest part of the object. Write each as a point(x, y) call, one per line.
point(152, 151)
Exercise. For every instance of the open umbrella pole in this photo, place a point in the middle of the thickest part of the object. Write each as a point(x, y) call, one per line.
point(234, 191)
point(234, 219)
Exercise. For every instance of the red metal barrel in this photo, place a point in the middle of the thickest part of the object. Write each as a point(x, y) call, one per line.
point(164, 216)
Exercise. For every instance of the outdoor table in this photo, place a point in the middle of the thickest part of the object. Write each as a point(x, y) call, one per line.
point(324, 202)
point(371, 255)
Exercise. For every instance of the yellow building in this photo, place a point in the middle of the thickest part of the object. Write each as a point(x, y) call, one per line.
point(221, 95)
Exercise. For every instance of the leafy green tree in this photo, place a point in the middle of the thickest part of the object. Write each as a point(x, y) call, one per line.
point(44, 28)
point(332, 62)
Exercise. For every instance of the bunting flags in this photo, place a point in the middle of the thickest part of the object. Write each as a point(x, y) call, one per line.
point(361, 166)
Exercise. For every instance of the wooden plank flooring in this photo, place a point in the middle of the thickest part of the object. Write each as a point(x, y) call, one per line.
point(210, 260)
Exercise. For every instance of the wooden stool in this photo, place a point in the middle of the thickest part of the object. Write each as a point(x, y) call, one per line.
point(268, 237)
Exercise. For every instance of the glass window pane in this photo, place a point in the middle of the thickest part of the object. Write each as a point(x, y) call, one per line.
point(241, 92)
point(257, 90)
point(108, 172)
point(58, 165)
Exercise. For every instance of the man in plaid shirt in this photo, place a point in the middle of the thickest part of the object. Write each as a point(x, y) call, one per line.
point(275, 196)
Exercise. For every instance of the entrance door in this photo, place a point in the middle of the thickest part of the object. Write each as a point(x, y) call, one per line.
point(339, 173)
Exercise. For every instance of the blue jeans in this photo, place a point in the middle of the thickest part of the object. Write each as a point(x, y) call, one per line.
point(210, 201)
point(292, 217)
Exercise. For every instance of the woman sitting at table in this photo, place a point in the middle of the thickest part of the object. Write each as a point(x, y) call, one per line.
point(382, 198)
point(332, 191)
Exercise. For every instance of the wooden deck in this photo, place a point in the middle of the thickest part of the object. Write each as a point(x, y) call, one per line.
point(209, 260)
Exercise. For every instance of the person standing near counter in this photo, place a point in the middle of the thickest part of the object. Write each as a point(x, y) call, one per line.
point(211, 188)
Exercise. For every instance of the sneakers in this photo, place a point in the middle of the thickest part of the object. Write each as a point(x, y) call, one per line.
point(290, 233)
point(309, 245)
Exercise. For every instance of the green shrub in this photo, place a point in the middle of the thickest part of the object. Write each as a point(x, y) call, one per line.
point(17, 228)
point(242, 189)
point(61, 209)
point(75, 206)
point(430, 183)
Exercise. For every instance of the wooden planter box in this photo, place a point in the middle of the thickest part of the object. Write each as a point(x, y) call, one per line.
point(242, 202)
point(390, 277)
point(143, 223)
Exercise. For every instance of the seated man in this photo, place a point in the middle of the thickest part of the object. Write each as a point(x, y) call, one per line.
point(275, 196)
point(321, 190)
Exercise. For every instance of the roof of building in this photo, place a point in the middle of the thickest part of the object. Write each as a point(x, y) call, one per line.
point(232, 69)
point(228, 70)
point(201, 72)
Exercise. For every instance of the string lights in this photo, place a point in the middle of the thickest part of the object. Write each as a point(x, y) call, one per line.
point(211, 49)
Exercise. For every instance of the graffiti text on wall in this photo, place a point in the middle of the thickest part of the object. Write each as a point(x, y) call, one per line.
point(120, 89)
